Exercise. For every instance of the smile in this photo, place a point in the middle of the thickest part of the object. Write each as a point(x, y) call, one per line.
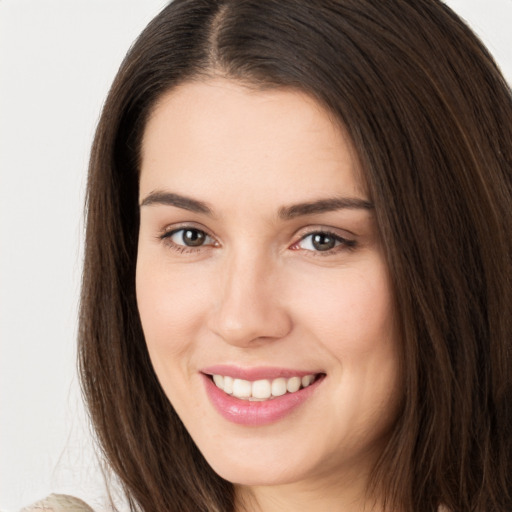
point(258, 396)
point(264, 389)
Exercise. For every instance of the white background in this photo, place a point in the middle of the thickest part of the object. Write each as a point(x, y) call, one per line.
point(57, 60)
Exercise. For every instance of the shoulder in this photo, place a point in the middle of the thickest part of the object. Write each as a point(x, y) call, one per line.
point(59, 503)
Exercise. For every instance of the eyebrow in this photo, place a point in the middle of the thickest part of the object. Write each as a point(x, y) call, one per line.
point(170, 199)
point(285, 212)
point(323, 206)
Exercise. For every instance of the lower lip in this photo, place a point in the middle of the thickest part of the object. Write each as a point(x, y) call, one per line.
point(245, 412)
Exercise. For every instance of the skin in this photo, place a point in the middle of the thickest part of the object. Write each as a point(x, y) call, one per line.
point(259, 293)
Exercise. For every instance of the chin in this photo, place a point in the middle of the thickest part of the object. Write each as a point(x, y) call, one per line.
point(261, 474)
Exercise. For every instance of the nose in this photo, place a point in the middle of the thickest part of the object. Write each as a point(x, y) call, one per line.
point(250, 309)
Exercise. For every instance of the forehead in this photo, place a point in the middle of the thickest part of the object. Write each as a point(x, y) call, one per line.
point(203, 133)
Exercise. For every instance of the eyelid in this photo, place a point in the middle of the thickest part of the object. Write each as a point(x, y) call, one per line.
point(174, 232)
point(173, 228)
point(344, 242)
point(165, 236)
point(344, 234)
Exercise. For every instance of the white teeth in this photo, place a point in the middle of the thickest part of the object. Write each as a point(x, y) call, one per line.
point(293, 384)
point(263, 389)
point(228, 385)
point(242, 388)
point(306, 380)
point(278, 387)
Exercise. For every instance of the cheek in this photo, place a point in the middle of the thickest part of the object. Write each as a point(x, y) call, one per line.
point(352, 318)
point(169, 304)
point(352, 311)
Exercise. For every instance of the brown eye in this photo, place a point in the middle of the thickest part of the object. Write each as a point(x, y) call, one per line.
point(189, 237)
point(193, 237)
point(323, 241)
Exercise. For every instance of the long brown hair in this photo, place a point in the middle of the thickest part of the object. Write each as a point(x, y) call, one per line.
point(430, 117)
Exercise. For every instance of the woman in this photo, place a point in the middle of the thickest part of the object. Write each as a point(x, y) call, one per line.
point(297, 274)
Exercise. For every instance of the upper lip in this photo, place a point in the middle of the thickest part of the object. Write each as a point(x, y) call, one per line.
point(256, 373)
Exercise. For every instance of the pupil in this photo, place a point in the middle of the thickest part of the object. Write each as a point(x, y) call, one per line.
point(323, 242)
point(193, 237)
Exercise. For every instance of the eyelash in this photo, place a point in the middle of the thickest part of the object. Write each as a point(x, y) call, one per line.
point(184, 249)
point(341, 243)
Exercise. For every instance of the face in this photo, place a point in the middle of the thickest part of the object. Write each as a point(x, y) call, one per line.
point(262, 289)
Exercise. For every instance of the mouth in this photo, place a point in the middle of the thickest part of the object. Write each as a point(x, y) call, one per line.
point(263, 389)
point(258, 396)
